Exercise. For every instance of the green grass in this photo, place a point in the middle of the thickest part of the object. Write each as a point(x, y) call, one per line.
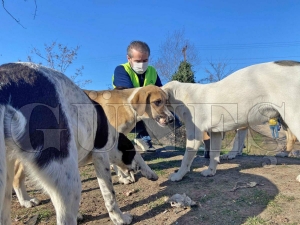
point(44, 214)
point(157, 160)
point(157, 203)
point(274, 208)
point(160, 172)
point(282, 197)
point(256, 220)
point(275, 205)
point(159, 165)
point(131, 136)
point(254, 197)
point(207, 197)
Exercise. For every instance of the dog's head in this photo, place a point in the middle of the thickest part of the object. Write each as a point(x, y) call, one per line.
point(150, 102)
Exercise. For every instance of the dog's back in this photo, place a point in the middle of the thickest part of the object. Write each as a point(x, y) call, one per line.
point(35, 129)
point(51, 126)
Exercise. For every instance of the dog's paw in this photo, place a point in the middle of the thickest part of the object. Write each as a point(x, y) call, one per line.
point(126, 180)
point(126, 219)
point(175, 177)
point(208, 173)
point(30, 203)
point(298, 178)
point(227, 157)
point(150, 175)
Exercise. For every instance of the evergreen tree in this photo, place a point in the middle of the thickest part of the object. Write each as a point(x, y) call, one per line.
point(185, 73)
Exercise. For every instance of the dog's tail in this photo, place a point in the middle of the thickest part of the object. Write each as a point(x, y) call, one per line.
point(2, 158)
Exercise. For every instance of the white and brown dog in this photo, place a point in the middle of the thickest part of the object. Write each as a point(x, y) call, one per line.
point(52, 127)
point(124, 108)
point(247, 97)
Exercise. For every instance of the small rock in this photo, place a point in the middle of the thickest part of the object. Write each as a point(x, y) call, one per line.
point(32, 220)
point(128, 193)
point(179, 201)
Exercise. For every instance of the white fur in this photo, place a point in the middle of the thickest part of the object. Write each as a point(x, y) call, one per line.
point(60, 180)
point(245, 98)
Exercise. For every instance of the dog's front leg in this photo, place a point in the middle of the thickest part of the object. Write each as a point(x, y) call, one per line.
point(192, 147)
point(215, 147)
point(101, 164)
point(145, 169)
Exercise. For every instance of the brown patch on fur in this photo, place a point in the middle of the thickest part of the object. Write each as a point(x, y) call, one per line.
point(118, 109)
point(287, 63)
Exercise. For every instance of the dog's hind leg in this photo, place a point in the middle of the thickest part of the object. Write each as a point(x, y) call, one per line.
point(101, 164)
point(290, 140)
point(2, 166)
point(5, 213)
point(215, 148)
point(6, 172)
point(61, 180)
point(293, 126)
point(20, 189)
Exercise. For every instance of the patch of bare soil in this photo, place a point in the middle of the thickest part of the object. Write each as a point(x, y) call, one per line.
point(225, 198)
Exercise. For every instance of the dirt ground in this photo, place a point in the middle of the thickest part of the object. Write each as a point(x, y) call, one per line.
point(222, 199)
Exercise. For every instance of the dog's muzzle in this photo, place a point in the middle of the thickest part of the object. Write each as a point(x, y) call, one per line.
point(164, 121)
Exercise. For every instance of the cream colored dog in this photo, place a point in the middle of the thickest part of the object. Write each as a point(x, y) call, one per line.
point(247, 97)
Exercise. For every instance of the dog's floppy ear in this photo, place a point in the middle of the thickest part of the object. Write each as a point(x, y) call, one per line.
point(139, 102)
point(166, 91)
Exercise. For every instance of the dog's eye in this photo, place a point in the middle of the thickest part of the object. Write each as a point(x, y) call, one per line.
point(158, 102)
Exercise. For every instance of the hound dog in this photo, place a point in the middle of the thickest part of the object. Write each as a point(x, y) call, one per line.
point(124, 108)
point(52, 127)
point(247, 97)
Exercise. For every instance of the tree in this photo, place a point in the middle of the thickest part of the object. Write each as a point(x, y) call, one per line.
point(217, 72)
point(171, 52)
point(185, 73)
point(60, 57)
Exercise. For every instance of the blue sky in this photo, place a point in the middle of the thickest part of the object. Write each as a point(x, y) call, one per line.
point(244, 32)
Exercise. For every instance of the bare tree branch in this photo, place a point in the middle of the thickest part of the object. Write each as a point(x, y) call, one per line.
point(34, 15)
point(217, 71)
point(171, 54)
point(18, 21)
point(60, 57)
